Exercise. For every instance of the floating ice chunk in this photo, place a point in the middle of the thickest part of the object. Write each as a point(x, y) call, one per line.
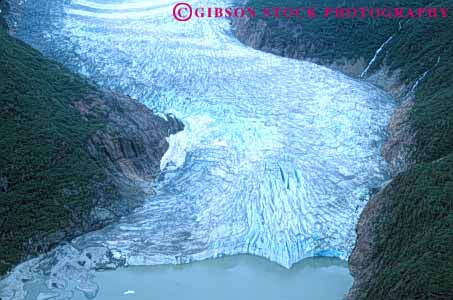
point(129, 292)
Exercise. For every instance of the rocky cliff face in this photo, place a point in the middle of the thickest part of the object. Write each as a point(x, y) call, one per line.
point(266, 36)
point(131, 144)
point(134, 138)
point(129, 147)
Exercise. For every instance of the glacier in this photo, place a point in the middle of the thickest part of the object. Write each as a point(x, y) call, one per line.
point(277, 159)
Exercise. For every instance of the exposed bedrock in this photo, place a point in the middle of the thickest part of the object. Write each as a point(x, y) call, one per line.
point(129, 146)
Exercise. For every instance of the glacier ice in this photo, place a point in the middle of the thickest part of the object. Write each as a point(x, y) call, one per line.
point(277, 158)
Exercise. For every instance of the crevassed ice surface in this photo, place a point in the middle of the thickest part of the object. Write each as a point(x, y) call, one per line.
point(277, 158)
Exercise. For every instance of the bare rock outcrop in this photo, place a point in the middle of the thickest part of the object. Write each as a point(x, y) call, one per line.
point(129, 145)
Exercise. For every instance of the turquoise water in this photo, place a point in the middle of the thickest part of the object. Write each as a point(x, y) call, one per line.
point(234, 278)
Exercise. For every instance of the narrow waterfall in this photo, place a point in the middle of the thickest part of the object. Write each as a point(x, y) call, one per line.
point(364, 73)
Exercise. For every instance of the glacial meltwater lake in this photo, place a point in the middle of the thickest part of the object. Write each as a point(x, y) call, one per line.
point(230, 278)
point(277, 159)
point(242, 277)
